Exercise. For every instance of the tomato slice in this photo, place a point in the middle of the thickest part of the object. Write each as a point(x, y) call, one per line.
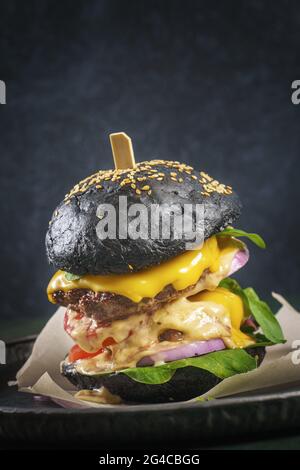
point(108, 342)
point(67, 327)
point(77, 353)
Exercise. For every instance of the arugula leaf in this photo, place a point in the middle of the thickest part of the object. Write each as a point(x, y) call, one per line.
point(264, 316)
point(72, 277)
point(258, 308)
point(223, 364)
point(232, 232)
point(260, 339)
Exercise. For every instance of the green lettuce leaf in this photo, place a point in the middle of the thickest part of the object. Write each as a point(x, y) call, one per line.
point(259, 338)
point(223, 364)
point(232, 232)
point(72, 277)
point(258, 308)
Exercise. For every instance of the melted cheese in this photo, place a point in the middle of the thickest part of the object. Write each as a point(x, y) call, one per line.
point(181, 272)
point(232, 302)
point(211, 315)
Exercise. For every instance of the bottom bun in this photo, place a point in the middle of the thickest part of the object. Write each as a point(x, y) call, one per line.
point(187, 383)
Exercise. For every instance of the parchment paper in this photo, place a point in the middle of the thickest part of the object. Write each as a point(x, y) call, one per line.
point(40, 374)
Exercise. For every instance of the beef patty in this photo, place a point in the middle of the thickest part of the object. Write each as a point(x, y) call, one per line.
point(108, 307)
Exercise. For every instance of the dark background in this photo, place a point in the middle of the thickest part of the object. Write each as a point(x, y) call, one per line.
point(208, 83)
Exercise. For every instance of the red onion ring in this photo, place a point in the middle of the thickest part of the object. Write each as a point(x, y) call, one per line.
point(182, 352)
point(251, 322)
point(239, 260)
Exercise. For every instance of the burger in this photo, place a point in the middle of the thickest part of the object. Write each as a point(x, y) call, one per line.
point(152, 320)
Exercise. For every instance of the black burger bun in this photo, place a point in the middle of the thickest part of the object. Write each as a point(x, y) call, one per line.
point(72, 242)
point(186, 383)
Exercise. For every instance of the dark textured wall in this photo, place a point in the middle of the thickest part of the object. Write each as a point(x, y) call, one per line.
point(208, 83)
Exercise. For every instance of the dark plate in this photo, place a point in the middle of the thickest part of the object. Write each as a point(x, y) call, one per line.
point(24, 419)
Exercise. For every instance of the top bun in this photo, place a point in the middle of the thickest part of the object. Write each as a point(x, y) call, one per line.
point(73, 245)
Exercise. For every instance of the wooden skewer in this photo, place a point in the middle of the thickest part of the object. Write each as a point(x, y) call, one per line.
point(122, 150)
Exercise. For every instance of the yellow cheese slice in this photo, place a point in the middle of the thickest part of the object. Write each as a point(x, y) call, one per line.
point(181, 272)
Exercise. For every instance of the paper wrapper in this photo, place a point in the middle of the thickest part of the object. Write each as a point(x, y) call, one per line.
point(40, 374)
